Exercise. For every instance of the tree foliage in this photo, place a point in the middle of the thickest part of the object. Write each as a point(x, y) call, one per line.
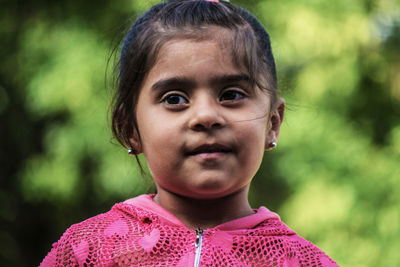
point(334, 177)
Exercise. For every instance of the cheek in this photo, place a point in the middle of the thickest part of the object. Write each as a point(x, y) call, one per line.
point(160, 142)
point(255, 130)
point(157, 142)
point(154, 127)
point(253, 140)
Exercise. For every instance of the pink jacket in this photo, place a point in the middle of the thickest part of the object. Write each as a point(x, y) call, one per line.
point(139, 232)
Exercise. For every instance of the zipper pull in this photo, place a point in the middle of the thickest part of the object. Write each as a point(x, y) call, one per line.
point(197, 245)
point(199, 235)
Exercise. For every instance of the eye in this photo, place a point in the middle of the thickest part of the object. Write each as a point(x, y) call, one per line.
point(174, 99)
point(231, 95)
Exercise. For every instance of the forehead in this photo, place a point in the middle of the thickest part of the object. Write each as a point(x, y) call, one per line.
point(198, 62)
point(218, 34)
point(211, 45)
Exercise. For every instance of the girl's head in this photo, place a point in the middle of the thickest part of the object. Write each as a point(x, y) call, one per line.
point(197, 95)
point(194, 20)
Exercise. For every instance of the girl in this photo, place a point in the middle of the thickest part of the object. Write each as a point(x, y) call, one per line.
point(197, 96)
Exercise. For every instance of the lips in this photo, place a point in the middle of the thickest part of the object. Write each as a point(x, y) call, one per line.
point(209, 149)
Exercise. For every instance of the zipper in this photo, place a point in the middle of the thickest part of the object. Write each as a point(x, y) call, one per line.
point(197, 244)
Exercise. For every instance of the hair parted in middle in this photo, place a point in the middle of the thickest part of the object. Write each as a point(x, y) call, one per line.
point(186, 19)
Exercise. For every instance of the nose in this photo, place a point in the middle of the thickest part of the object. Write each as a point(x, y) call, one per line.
point(206, 114)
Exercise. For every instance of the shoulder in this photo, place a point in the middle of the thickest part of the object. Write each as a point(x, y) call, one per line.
point(93, 237)
point(286, 246)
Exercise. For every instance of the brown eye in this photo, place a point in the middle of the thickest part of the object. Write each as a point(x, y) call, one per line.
point(231, 95)
point(174, 99)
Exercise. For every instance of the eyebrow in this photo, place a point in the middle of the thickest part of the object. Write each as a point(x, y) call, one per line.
point(179, 82)
point(230, 78)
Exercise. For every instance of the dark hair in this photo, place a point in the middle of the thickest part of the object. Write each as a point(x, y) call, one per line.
point(186, 19)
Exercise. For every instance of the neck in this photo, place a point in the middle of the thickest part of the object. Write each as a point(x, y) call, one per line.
point(205, 213)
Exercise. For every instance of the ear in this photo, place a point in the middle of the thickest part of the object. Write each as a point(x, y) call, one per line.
point(135, 143)
point(274, 123)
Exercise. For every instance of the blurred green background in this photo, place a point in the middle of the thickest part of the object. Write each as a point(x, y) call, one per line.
point(334, 178)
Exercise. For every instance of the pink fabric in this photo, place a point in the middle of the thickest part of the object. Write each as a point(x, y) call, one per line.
point(138, 232)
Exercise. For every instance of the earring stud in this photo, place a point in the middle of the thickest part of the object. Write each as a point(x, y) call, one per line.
point(272, 145)
point(131, 152)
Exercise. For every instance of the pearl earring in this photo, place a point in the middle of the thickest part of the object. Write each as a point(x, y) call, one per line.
point(272, 145)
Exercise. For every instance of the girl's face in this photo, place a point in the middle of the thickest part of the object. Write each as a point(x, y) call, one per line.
point(203, 127)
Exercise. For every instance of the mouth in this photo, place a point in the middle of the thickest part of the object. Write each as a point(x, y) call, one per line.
point(210, 149)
